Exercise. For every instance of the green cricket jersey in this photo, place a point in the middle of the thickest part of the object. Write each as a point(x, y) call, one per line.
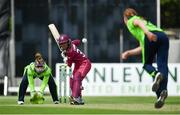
point(138, 33)
point(31, 73)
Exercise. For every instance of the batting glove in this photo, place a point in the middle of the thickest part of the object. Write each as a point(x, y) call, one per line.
point(65, 59)
point(63, 55)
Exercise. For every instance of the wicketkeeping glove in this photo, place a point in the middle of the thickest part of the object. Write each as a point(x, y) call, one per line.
point(33, 94)
point(40, 97)
point(40, 94)
point(37, 98)
point(34, 97)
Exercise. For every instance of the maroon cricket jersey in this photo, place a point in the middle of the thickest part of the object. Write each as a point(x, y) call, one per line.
point(74, 55)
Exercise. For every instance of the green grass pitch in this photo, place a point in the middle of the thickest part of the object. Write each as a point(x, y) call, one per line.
point(93, 105)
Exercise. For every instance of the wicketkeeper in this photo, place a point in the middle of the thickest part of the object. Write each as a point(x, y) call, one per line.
point(38, 69)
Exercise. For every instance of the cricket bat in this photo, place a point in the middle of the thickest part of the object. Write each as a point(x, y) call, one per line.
point(55, 33)
point(56, 36)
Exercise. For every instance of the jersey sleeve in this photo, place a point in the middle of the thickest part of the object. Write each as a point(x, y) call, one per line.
point(130, 22)
point(30, 78)
point(76, 42)
point(46, 76)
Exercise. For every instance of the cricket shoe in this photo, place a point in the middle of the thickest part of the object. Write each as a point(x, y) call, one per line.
point(56, 102)
point(81, 101)
point(76, 101)
point(161, 100)
point(20, 102)
point(156, 83)
point(70, 99)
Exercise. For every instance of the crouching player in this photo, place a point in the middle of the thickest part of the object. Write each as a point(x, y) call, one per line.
point(38, 69)
point(71, 54)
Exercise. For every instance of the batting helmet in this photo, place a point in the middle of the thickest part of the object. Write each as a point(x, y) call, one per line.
point(63, 39)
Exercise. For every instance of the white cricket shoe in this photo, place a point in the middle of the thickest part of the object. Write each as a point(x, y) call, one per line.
point(161, 100)
point(56, 102)
point(76, 101)
point(20, 102)
point(156, 83)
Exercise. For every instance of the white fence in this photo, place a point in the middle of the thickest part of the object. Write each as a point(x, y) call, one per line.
point(115, 79)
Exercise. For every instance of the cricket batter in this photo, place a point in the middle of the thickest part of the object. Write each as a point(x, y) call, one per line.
point(71, 54)
point(153, 41)
point(38, 69)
